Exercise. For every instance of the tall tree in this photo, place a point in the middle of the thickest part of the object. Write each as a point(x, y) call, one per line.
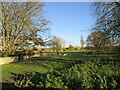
point(22, 23)
point(82, 42)
point(108, 18)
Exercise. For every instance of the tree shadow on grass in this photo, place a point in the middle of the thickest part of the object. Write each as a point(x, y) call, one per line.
point(7, 86)
point(45, 59)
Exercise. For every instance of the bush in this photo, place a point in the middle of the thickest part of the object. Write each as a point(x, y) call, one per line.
point(35, 79)
point(90, 74)
point(6, 54)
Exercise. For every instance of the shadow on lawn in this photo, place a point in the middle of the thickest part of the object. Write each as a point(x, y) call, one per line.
point(45, 59)
point(6, 86)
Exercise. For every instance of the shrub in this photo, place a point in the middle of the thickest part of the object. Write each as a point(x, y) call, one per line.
point(90, 74)
point(35, 79)
point(6, 54)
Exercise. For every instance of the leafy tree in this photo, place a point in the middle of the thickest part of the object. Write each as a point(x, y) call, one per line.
point(22, 23)
point(82, 42)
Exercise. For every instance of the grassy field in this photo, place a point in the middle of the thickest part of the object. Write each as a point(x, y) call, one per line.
point(48, 64)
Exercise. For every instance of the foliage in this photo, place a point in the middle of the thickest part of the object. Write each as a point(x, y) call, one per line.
point(35, 79)
point(89, 74)
point(6, 54)
point(78, 70)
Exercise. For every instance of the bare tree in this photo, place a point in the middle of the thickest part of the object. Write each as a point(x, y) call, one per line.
point(108, 18)
point(22, 22)
point(98, 40)
point(56, 44)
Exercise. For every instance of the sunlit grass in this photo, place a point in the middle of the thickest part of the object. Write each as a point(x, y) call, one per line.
point(46, 64)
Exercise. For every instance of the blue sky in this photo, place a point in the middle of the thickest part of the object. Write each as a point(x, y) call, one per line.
point(69, 20)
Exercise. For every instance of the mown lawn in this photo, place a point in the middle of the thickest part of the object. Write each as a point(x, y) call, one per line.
point(48, 64)
point(38, 64)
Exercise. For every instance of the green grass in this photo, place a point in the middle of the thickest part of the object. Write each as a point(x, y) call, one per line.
point(29, 65)
point(46, 64)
